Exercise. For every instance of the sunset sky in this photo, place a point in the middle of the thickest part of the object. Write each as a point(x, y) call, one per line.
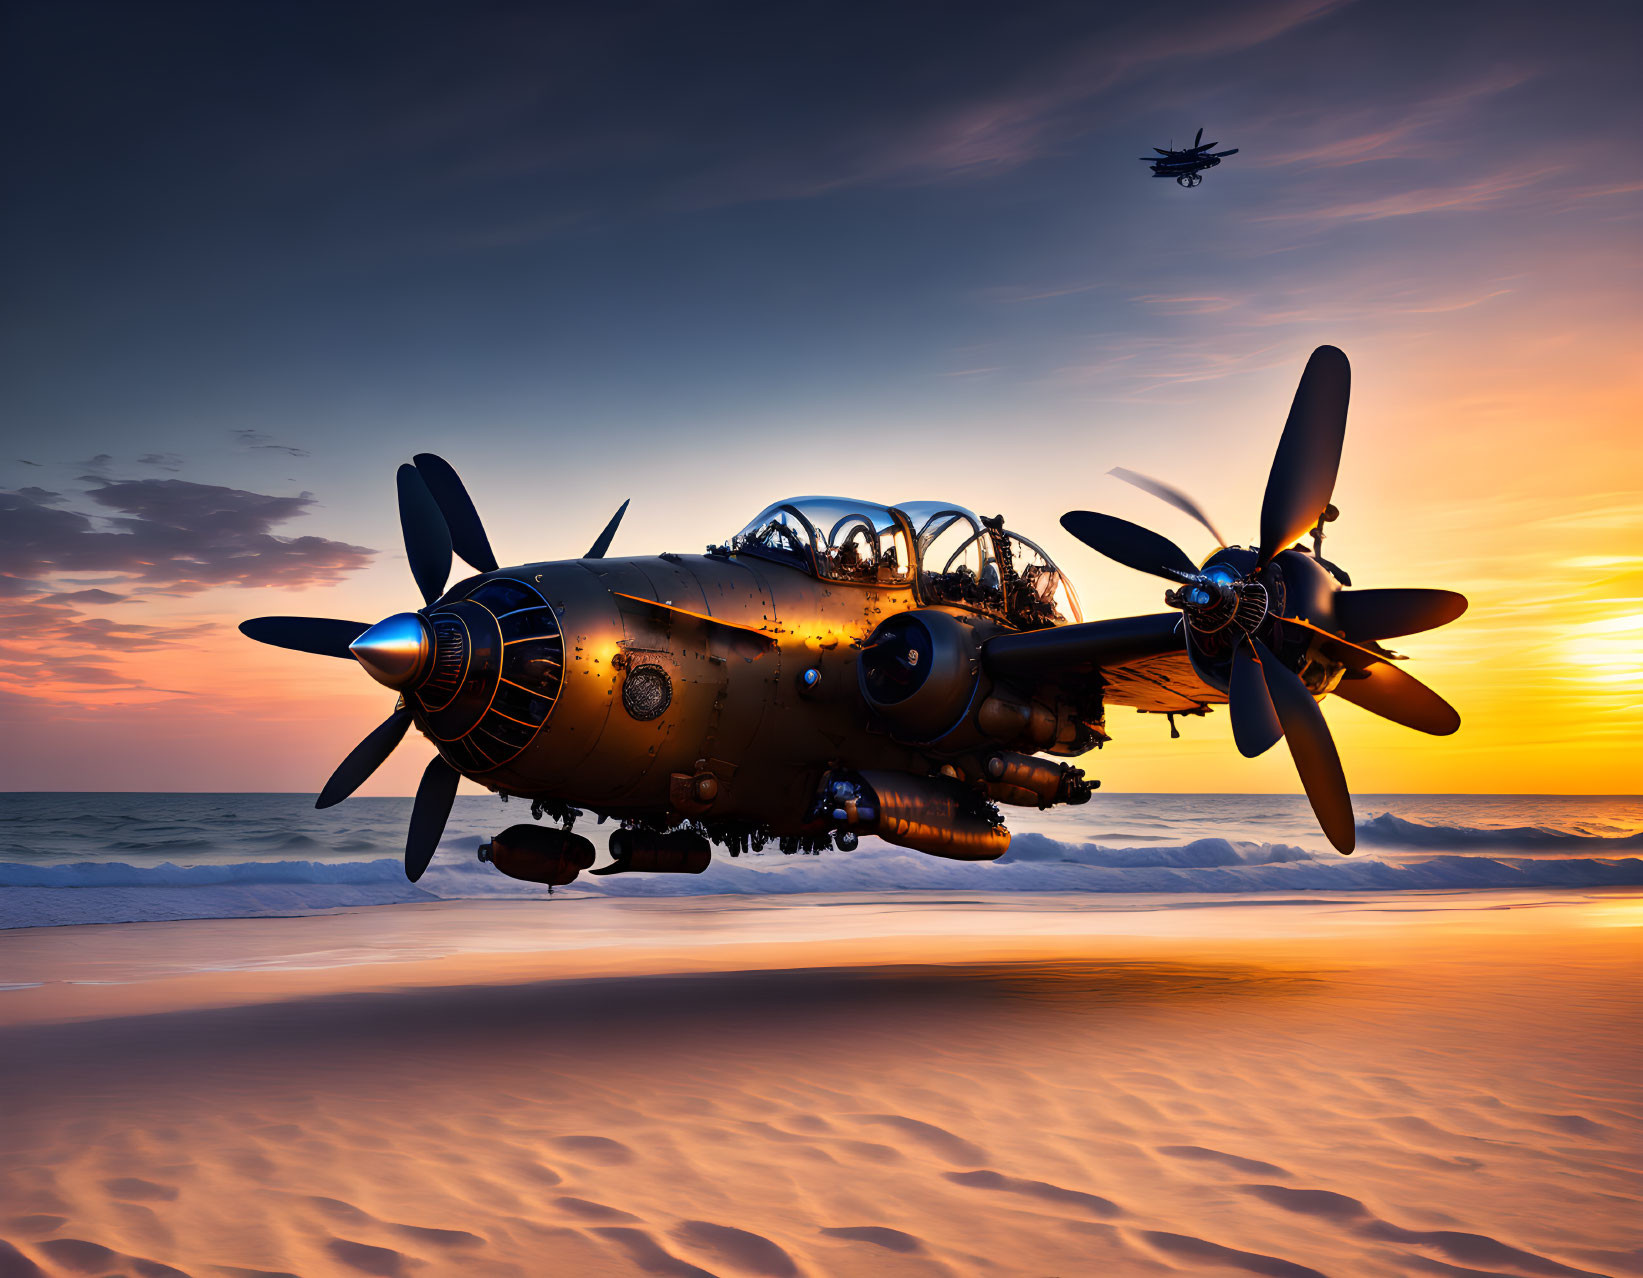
point(708, 256)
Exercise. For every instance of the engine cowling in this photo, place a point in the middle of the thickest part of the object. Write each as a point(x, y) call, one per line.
point(1292, 585)
point(918, 671)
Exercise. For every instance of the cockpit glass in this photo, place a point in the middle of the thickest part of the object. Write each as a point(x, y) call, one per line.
point(837, 538)
point(958, 559)
point(956, 563)
point(1043, 596)
point(779, 532)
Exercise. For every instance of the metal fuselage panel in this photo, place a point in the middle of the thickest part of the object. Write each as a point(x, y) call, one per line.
point(737, 698)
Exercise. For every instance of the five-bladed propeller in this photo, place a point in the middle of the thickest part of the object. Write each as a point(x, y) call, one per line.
point(1230, 602)
point(436, 517)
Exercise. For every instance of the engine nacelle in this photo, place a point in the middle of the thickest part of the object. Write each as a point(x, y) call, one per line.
point(918, 671)
point(538, 854)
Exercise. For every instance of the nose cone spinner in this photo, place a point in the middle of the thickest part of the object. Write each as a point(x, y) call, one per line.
point(395, 651)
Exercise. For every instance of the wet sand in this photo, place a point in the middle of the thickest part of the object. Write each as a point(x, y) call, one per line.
point(1422, 1084)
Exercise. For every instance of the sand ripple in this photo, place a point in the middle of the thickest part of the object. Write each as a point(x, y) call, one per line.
point(1381, 1104)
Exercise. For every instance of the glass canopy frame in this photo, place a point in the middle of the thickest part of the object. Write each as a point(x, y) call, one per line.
point(945, 551)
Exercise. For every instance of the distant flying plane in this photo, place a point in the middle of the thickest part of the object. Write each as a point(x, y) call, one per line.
point(1187, 165)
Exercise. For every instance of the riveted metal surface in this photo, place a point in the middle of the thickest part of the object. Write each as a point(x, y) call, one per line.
point(733, 697)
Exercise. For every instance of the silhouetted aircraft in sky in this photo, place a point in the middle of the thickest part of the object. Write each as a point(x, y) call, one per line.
point(1187, 165)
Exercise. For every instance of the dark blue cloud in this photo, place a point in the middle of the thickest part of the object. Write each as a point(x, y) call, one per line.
point(165, 534)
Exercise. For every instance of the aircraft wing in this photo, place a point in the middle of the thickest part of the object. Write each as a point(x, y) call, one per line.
point(1131, 661)
point(1165, 684)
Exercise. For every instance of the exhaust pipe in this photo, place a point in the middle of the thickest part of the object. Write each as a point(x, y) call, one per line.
point(928, 814)
point(1035, 783)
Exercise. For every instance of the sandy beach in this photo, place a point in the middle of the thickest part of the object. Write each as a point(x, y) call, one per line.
point(1446, 1083)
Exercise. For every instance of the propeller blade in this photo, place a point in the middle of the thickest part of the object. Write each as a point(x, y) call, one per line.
point(1386, 690)
point(1309, 453)
point(1174, 496)
point(1312, 748)
point(434, 796)
point(1386, 614)
point(364, 759)
point(599, 547)
point(319, 635)
point(461, 518)
point(1255, 725)
point(1222, 154)
point(1200, 138)
point(1130, 544)
point(427, 538)
point(1353, 656)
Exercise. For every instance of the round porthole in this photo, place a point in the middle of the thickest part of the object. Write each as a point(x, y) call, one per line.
point(647, 692)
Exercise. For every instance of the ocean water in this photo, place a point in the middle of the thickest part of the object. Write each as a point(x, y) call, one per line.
point(108, 858)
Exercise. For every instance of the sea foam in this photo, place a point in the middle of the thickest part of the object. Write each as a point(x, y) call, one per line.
point(35, 895)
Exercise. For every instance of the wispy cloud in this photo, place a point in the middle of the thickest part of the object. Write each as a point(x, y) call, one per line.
point(56, 651)
point(1429, 127)
point(1448, 198)
point(1029, 293)
point(255, 439)
point(1188, 305)
point(152, 536)
point(1133, 368)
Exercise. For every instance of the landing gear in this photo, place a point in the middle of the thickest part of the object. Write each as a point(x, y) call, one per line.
point(1189, 179)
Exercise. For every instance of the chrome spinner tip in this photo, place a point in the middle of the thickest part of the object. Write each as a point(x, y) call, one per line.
point(395, 651)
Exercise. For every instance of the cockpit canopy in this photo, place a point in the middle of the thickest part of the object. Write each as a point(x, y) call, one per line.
point(948, 552)
point(833, 537)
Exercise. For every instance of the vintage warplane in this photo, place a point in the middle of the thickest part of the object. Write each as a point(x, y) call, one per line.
point(1187, 165)
point(842, 667)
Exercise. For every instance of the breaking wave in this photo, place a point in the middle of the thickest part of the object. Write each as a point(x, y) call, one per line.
point(35, 895)
point(1389, 831)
